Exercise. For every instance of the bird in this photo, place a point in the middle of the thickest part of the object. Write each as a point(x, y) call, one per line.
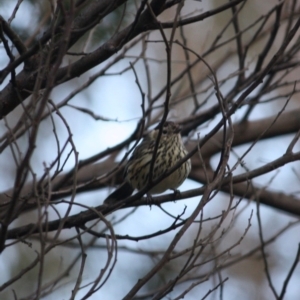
point(170, 150)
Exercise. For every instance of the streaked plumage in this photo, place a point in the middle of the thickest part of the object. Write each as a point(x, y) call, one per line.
point(170, 151)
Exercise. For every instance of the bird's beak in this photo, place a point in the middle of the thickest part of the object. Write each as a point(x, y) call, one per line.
point(177, 128)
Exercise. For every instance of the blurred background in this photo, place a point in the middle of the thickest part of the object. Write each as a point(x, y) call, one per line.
point(101, 108)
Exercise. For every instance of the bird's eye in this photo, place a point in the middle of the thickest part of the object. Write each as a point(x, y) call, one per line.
point(164, 131)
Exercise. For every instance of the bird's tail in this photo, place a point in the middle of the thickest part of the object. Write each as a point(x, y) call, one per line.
point(122, 192)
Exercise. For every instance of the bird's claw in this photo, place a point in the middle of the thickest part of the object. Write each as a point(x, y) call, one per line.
point(149, 200)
